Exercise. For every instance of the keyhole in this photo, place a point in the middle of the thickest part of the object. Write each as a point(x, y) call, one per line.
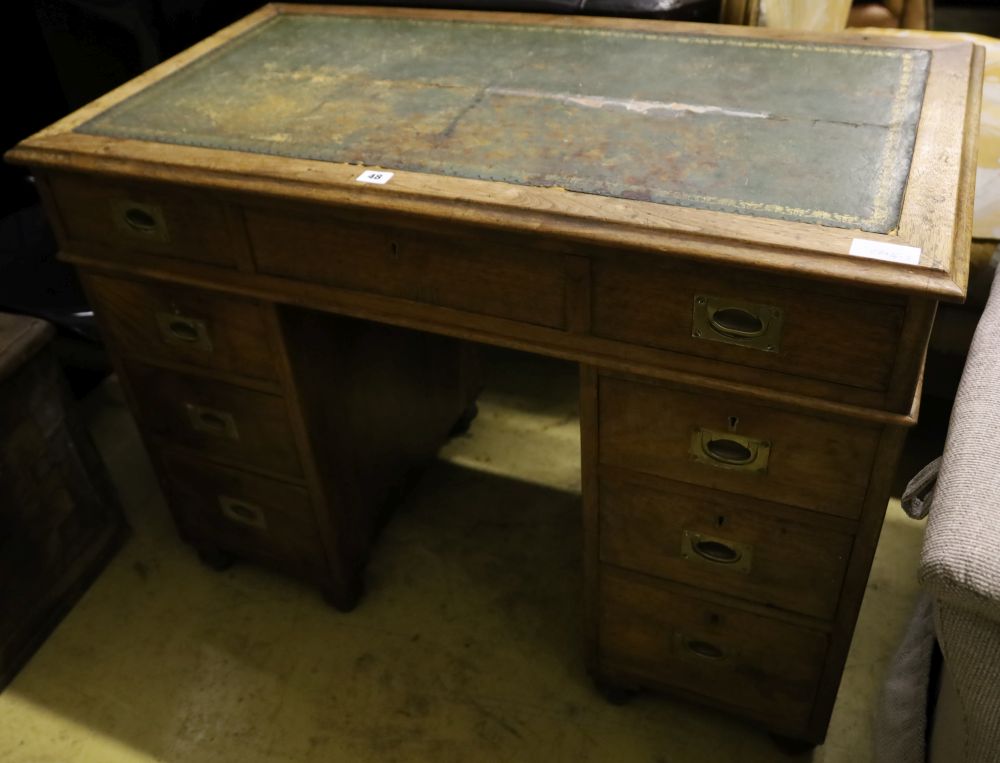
point(734, 421)
point(720, 521)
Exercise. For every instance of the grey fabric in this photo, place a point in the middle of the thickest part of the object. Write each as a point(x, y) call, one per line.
point(919, 492)
point(971, 647)
point(960, 561)
point(948, 725)
point(901, 723)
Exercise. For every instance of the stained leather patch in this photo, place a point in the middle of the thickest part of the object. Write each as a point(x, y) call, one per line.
point(819, 133)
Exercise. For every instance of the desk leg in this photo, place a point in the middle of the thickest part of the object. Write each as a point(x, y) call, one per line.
point(373, 404)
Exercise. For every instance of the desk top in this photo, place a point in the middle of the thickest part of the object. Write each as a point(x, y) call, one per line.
point(733, 124)
point(722, 141)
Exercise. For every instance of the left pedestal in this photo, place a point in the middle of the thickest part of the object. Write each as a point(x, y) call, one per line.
point(280, 435)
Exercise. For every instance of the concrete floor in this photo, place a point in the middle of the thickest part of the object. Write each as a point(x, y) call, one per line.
point(466, 648)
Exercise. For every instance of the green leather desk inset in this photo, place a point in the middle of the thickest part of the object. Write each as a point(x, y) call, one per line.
point(740, 235)
point(612, 112)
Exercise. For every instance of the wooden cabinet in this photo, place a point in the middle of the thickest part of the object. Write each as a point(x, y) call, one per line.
point(60, 519)
point(745, 262)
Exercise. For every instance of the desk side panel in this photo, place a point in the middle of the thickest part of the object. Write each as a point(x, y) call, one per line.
point(376, 403)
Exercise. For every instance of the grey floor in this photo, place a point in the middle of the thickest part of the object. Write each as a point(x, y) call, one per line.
point(466, 648)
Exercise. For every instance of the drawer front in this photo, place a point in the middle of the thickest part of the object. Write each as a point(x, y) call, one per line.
point(724, 546)
point(250, 516)
point(166, 323)
point(215, 418)
point(725, 443)
point(765, 666)
point(469, 275)
point(748, 321)
point(134, 220)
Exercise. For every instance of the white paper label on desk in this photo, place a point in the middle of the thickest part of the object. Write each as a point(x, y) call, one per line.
point(882, 250)
point(374, 176)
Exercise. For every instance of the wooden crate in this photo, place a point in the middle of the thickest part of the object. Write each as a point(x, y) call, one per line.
point(60, 520)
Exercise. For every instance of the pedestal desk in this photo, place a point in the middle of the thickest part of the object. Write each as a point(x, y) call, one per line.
point(293, 233)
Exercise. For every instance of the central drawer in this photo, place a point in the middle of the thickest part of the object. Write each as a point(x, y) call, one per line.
point(220, 420)
point(462, 273)
point(728, 443)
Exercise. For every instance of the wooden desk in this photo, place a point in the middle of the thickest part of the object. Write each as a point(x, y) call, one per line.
point(705, 218)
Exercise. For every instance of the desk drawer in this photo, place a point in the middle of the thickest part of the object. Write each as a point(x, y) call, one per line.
point(769, 667)
point(167, 323)
point(722, 545)
point(130, 221)
point(727, 443)
point(464, 274)
point(772, 324)
point(246, 515)
point(218, 419)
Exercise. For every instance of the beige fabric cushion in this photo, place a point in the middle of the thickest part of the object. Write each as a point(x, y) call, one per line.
point(960, 562)
point(971, 647)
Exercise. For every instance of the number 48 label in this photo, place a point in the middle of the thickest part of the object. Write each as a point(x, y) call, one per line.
point(374, 176)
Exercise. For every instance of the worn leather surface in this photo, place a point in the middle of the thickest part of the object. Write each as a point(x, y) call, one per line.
point(804, 132)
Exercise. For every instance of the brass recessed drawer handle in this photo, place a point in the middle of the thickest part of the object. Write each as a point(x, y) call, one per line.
point(139, 220)
point(242, 512)
point(212, 421)
point(716, 551)
point(181, 330)
point(735, 321)
point(706, 649)
point(700, 648)
point(730, 451)
point(720, 553)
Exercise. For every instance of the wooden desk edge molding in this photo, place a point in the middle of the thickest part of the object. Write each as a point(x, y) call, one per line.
point(751, 311)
